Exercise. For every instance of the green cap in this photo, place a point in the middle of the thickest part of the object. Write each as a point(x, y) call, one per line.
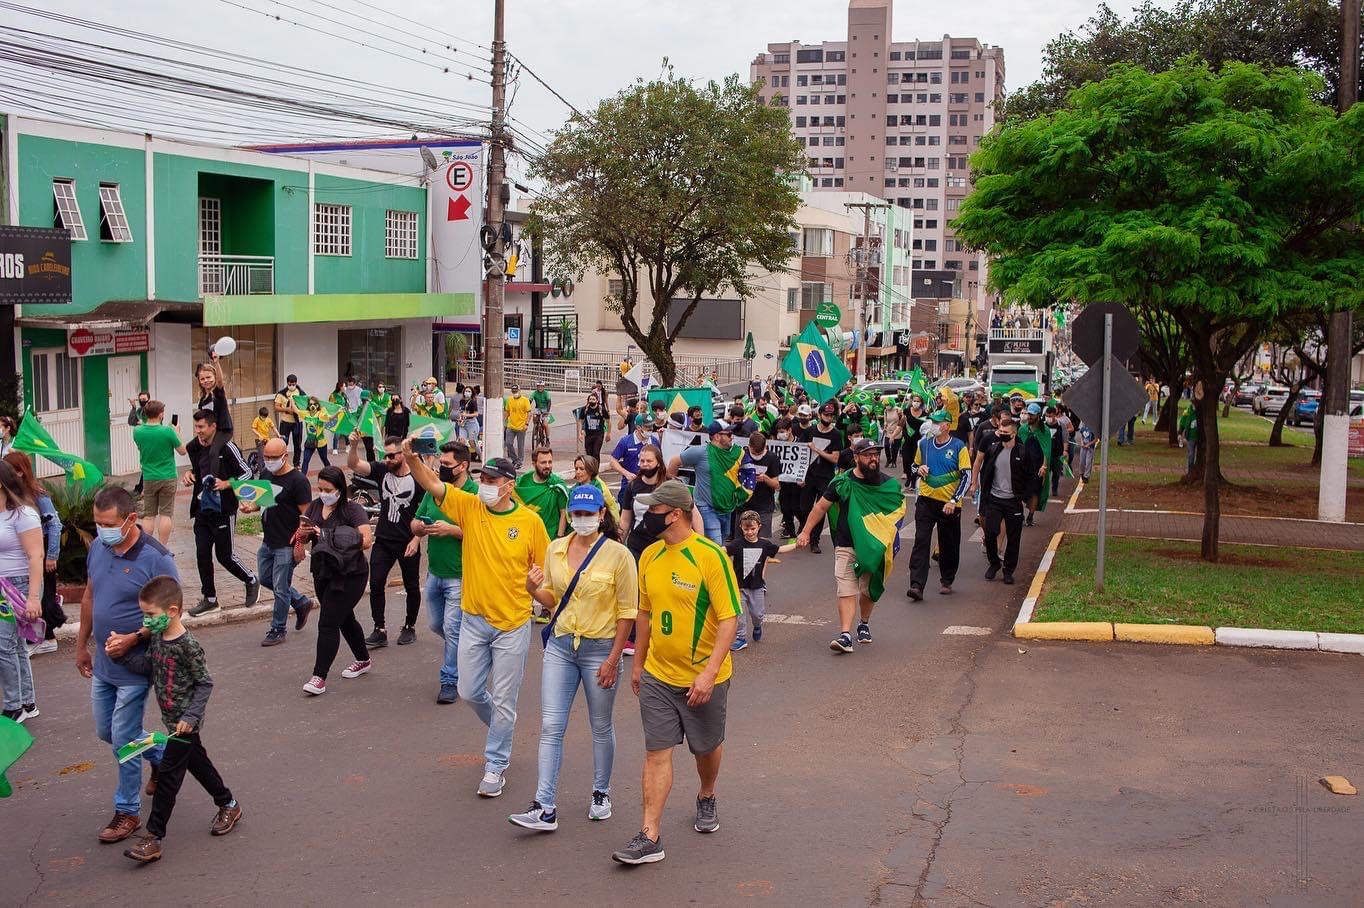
point(940, 416)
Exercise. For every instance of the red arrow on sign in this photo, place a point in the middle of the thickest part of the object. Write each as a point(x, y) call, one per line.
point(459, 209)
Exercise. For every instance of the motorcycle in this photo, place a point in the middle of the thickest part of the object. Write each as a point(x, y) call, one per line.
point(365, 491)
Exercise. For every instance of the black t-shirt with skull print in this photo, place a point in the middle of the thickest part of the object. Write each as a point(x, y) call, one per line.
point(398, 500)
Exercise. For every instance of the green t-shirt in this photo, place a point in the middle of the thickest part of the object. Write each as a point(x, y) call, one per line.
point(156, 446)
point(1188, 423)
point(540, 399)
point(444, 554)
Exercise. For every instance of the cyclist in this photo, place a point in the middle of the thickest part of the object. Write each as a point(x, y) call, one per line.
point(540, 404)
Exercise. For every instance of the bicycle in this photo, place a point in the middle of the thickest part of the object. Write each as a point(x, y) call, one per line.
point(540, 430)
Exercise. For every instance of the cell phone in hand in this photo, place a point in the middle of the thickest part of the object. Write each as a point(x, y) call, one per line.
point(426, 520)
point(425, 446)
point(175, 419)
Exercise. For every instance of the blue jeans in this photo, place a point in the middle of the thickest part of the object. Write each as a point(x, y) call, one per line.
point(717, 525)
point(443, 596)
point(16, 674)
point(118, 712)
point(564, 670)
point(275, 568)
point(492, 663)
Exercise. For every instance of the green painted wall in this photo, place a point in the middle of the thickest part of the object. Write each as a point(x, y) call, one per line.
point(366, 270)
point(265, 212)
point(100, 271)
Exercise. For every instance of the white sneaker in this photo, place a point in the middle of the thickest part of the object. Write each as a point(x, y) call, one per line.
point(47, 646)
point(29, 711)
point(492, 785)
point(601, 806)
point(536, 818)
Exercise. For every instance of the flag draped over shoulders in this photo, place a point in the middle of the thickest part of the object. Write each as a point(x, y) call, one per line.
point(875, 513)
point(547, 499)
point(727, 491)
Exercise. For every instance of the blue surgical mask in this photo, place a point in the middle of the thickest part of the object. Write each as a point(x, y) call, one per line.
point(113, 537)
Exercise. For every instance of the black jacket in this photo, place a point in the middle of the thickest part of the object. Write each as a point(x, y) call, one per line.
point(221, 459)
point(1024, 461)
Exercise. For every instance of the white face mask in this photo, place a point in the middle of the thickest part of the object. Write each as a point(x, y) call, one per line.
point(586, 524)
point(274, 466)
point(489, 494)
point(329, 498)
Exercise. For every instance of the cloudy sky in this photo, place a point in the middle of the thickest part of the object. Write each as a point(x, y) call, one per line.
point(585, 49)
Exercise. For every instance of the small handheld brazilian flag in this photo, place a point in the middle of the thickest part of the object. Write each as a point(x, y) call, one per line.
point(143, 744)
point(258, 492)
point(814, 367)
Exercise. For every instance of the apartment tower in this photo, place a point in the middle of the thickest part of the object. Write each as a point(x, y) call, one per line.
point(894, 119)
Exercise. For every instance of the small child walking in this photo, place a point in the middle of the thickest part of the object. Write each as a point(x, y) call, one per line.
point(174, 661)
point(750, 553)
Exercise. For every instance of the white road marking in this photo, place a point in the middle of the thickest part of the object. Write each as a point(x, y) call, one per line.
point(793, 619)
point(967, 630)
point(977, 536)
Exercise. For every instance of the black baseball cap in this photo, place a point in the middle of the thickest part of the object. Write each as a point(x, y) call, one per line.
point(499, 466)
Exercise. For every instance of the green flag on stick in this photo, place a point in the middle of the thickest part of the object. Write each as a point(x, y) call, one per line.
point(34, 440)
point(143, 744)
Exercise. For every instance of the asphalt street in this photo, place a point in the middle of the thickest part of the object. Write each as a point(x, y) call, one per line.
point(923, 769)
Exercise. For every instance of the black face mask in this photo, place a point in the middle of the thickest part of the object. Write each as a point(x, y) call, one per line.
point(648, 472)
point(447, 474)
point(654, 524)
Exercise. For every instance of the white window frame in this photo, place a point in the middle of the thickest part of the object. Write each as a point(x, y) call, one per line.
point(68, 211)
point(331, 229)
point(113, 219)
point(400, 234)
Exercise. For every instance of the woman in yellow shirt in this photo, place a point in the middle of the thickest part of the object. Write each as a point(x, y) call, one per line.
point(584, 642)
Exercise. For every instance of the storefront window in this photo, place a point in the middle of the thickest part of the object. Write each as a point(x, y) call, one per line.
point(250, 370)
point(372, 355)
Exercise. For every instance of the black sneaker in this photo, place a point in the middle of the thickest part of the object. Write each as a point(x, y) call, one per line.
point(1009, 579)
point(449, 693)
point(915, 593)
point(707, 817)
point(252, 591)
point(407, 635)
point(843, 643)
point(864, 633)
point(640, 850)
point(273, 638)
point(205, 606)
point(377, 639)
point(815, 549)
point(990, 574)
point(301, 613)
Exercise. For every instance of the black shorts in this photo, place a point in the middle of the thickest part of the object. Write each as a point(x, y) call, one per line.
point(668, 718)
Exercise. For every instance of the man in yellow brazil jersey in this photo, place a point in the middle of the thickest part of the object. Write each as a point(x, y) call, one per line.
point(688, 617)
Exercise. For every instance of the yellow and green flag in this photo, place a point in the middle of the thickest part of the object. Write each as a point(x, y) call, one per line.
point(431, 427)
point(679, 400)
point(33, 439)
point(875, 513)
point(727, 490)
point(547, 499)
point(258, 492)
point(814, 367)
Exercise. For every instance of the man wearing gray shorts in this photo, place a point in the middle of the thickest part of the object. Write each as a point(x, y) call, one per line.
point(681, 677)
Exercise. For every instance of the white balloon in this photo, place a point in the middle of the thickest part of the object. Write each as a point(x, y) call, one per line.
point(225, 346)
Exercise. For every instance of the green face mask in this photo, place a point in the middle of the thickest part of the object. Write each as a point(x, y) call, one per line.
point(157, 624)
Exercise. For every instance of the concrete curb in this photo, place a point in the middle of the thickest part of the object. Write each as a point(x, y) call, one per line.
point(213, 619)
point(1179, 634)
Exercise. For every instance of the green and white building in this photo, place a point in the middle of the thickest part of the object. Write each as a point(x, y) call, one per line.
point(314, 268)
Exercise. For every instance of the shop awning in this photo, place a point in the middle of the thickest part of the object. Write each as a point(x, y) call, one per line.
point(332, 307)
point(114, 313)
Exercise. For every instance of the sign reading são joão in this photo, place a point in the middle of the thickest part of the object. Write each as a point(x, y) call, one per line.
point(35, 265)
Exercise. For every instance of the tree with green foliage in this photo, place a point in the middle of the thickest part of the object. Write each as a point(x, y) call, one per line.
point(680, 190)
point(1297, 33)
point(1225, 199)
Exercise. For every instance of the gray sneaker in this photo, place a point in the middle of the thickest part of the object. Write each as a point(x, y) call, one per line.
point(492, 785)
point(707, 819)
point(640, 850)
point(205, 606)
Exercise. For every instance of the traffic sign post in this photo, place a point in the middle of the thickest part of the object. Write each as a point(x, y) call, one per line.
point(1103, 444)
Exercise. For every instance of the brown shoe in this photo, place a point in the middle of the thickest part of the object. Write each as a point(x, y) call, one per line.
point(147, 849)
point(226, 819)
point(119, 828)
point(150, 790)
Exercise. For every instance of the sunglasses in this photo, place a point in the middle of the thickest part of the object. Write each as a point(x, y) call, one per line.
point(394, 456)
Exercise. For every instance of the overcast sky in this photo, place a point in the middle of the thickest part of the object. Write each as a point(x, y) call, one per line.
point(586, 49)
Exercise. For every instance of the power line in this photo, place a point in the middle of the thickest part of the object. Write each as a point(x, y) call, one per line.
point(547, 86)
point(389, 12)
point(485, 60)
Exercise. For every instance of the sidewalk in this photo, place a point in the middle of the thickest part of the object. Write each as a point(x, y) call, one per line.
point(1233, 530)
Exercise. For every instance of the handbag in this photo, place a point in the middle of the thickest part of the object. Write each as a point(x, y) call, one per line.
point(548, 629)
point(12, 605)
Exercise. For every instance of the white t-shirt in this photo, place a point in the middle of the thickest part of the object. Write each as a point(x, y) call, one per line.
point(13, 560)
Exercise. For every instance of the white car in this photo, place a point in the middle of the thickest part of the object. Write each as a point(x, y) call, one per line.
point(1270, 401)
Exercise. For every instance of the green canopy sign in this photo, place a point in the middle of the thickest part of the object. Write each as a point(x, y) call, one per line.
point(827, 315)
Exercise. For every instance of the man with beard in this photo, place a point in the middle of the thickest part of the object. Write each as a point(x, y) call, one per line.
point(822, 466)
point(393, 539)
point(544, 492)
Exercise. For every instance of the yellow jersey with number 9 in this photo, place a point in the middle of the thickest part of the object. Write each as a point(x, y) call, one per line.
point(687, 589)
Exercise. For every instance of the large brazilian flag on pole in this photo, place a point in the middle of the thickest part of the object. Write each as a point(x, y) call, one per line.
point(813, 365)
point(875, 513)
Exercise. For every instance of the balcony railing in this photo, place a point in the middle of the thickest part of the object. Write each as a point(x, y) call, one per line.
point(236, 275)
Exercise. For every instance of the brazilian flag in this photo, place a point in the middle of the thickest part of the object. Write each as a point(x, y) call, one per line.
point(431, 427)
point(918, 384)
point(814, 367)
point(33, 439)
point(875, 513)
point(679, 400)
point(727, 490)
point(547, 499)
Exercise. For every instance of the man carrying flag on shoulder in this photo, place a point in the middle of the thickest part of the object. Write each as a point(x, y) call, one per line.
point(544, 492)
point(943, 466)
point(719, 491)
point(868, 507)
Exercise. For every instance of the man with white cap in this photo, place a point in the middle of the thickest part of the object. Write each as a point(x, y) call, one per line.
point(943, 467)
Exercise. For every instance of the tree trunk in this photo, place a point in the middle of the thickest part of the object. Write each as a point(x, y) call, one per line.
point(1318, 421)
point(1276, 433)
point(1210, 457)
point(1168, 420)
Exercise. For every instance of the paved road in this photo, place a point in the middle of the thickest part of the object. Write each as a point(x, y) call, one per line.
point(924, 769)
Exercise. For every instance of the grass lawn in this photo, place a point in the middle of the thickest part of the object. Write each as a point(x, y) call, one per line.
point(1161, 581)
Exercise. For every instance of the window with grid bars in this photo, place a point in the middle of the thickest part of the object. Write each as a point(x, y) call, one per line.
point(331, 229)
point(66, 213)
point(113, 220)
point(400, 234)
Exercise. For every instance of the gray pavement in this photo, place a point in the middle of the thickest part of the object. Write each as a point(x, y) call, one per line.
point(924, 769)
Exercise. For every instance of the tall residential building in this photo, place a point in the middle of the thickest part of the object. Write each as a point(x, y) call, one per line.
point(894, 119)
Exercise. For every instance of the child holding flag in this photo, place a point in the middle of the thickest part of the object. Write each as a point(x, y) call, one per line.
point(174, 661)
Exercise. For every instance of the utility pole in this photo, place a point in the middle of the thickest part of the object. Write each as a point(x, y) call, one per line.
point(864, 286)
point(493, 329)
point(1335, 441)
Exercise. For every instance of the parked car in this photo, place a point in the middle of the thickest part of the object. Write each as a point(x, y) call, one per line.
point(1305, 410)
point(886, 386)
point(1270, 401)
point(960, 385)
point(1246, 394)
